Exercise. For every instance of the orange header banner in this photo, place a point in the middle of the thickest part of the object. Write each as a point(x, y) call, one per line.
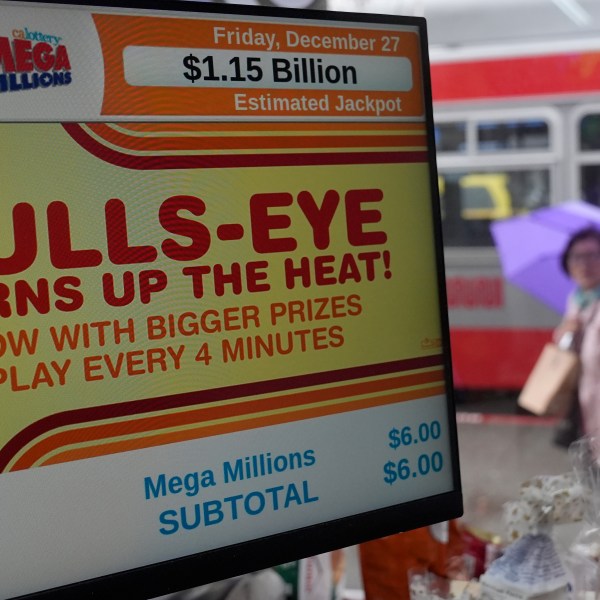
point(243, 70)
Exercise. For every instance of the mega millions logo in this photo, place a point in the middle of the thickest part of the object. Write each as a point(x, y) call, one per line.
point(31, 60)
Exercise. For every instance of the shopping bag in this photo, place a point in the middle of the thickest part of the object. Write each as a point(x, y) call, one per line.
point(551, 386)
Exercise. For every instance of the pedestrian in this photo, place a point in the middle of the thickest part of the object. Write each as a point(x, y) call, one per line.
point(581, 326)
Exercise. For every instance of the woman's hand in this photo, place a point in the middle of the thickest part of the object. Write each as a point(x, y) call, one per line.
point(569, 327)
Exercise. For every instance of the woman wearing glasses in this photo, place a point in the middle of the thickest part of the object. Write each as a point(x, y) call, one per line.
point(580, 330)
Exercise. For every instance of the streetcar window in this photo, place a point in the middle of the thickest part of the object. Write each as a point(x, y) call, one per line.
point(590, 184)
point(451, 137)
point(589, 132)
point(526, 134)
point(471, 201)
point(477, 198)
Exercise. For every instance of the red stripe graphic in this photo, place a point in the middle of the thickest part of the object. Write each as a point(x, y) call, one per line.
point(138, 407)
point(216, 161)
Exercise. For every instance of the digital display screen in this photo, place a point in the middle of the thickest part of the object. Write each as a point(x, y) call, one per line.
point(223, 331)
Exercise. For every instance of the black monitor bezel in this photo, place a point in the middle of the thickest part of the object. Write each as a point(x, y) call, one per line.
point(170, 576)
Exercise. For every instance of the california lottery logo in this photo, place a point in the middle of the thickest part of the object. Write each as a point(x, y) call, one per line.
point(31, 60)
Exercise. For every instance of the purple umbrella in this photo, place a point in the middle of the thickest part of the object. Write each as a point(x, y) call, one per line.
point(530, 248)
